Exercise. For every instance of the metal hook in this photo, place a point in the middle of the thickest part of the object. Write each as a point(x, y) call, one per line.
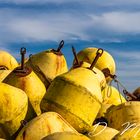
point(75, 56)
point(98, 54)
point(61, 44)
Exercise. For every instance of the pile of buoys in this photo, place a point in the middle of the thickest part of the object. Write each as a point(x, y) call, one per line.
point(41, 99)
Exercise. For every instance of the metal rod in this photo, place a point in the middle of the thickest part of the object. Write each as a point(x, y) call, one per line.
point(75, 56)
point(22, 52)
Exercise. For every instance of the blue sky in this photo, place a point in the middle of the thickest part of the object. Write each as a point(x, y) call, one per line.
point(113, 25)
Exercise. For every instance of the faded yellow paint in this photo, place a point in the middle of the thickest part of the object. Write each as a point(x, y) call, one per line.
point(44, 125)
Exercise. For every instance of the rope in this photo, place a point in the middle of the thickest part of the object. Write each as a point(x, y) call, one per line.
point(118, 87)
point(109, 89)
point(119, 91)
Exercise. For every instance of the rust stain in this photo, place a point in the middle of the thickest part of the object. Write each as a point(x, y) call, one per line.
point(87, 58)
point(22, 84)
point(7, 102)
point(58, 64)
point(24, 135)
point(84, 57)
point(48, 126)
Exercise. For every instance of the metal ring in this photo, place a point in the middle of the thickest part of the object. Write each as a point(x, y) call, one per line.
point(100, 51)
point(61, 43)
point(23, 50)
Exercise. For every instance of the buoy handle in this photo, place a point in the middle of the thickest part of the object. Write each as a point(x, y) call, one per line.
point(98, 54)
point(107, 73)
point(61, 45)
point(75, 56)
point(22, 52)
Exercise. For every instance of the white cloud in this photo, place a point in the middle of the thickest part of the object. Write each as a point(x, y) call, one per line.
point(131, 55)
point(119, 22)
point(16, 26)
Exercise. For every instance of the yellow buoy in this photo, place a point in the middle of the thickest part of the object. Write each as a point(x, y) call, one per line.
point(76, 95)
point(100, 132)
point(13, 107)
point(48, 64)
point(44, 125)
point(65, 136)
point(106, 63)
point(98, 73)
point(7, 61)
point(117, 116)
point(83, 64)
point(32, 86)
point(112, 96)
point(25, 79)
point(132, 133)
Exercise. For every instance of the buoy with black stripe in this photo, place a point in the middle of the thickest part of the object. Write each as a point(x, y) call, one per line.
point(76, 95)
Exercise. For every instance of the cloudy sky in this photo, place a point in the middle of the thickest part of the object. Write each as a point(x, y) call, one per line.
point(113, 25)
